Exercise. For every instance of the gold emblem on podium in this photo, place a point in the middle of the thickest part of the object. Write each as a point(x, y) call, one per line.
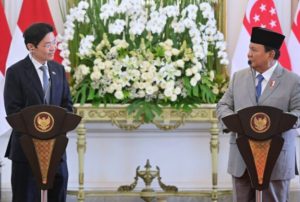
point(43, 122)
point(260, 122)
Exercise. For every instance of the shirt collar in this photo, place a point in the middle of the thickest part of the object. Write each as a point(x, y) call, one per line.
point(267, 74)
point(36, 64)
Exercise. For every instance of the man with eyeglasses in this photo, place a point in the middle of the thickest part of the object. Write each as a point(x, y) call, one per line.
point(35, 80)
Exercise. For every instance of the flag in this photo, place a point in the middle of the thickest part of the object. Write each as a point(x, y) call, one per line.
point(5, 40)
point(294, 42)
point(259, 13)
point(32, 11)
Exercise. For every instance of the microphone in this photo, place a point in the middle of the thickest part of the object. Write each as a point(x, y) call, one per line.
point(253, 73)
point(47, 91)
point(249, 63)
point(251, 68)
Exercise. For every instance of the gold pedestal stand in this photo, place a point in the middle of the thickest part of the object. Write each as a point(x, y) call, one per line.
point(148, 194)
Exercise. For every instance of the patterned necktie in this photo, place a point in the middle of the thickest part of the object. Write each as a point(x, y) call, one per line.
point(260, 78)
point(45, 84)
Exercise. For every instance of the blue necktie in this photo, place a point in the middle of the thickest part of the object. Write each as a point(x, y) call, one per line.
point(45, 84)
point(258, 86)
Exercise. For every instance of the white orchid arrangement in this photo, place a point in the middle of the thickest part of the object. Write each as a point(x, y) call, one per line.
point(146, 53)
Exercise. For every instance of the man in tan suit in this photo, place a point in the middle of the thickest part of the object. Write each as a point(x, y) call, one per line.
point(266, 83)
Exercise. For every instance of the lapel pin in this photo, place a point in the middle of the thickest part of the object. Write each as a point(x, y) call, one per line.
point(54, 73)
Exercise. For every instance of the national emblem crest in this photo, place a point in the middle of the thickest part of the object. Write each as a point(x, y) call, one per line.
point(43, 122)
point(260, 122)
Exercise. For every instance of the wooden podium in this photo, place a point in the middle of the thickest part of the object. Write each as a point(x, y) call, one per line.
point(259, 140)
point(44, 140)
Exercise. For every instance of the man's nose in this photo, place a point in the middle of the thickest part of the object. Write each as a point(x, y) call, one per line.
point(249, 54)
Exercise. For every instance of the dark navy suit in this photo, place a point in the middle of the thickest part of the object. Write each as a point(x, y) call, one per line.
point(23, 88)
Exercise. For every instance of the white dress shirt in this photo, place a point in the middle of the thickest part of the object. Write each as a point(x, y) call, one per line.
point(37, 66)
point(267, 75)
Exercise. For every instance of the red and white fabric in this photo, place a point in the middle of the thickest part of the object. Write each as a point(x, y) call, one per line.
point(294, 43)
point(32, 11)
point(5, 40)
point(259, 13)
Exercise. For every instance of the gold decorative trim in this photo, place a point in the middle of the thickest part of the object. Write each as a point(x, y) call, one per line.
point(203, 112)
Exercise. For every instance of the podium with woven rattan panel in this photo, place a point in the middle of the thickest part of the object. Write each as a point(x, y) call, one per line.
point(43, 139)
point(259, 140)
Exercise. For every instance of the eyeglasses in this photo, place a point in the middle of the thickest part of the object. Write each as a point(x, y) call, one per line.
point(50, 44)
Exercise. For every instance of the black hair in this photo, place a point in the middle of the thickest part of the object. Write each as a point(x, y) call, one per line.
point(277, 51)
point(36, 32)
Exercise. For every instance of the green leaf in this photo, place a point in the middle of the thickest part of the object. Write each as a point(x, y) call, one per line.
point(157, 109)
point(139, 114)
point(91, 94)
point(149, 115)
point(76, 96)
point(186, 83)
point(159, 51)
point(196, 90)
point(207, 95)
point(122, 53)
point(144, 110)
point(83, 94)
point(133, 106)
point(187, 108)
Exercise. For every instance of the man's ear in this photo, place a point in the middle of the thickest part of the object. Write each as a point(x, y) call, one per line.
point(272, 54)
point(30, 47)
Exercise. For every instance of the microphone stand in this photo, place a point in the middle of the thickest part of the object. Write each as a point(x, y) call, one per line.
point(258, 195)
point(44, 193)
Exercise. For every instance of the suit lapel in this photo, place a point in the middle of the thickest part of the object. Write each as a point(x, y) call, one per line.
point(251, 83)
point(33, 78)
point(272, 84)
